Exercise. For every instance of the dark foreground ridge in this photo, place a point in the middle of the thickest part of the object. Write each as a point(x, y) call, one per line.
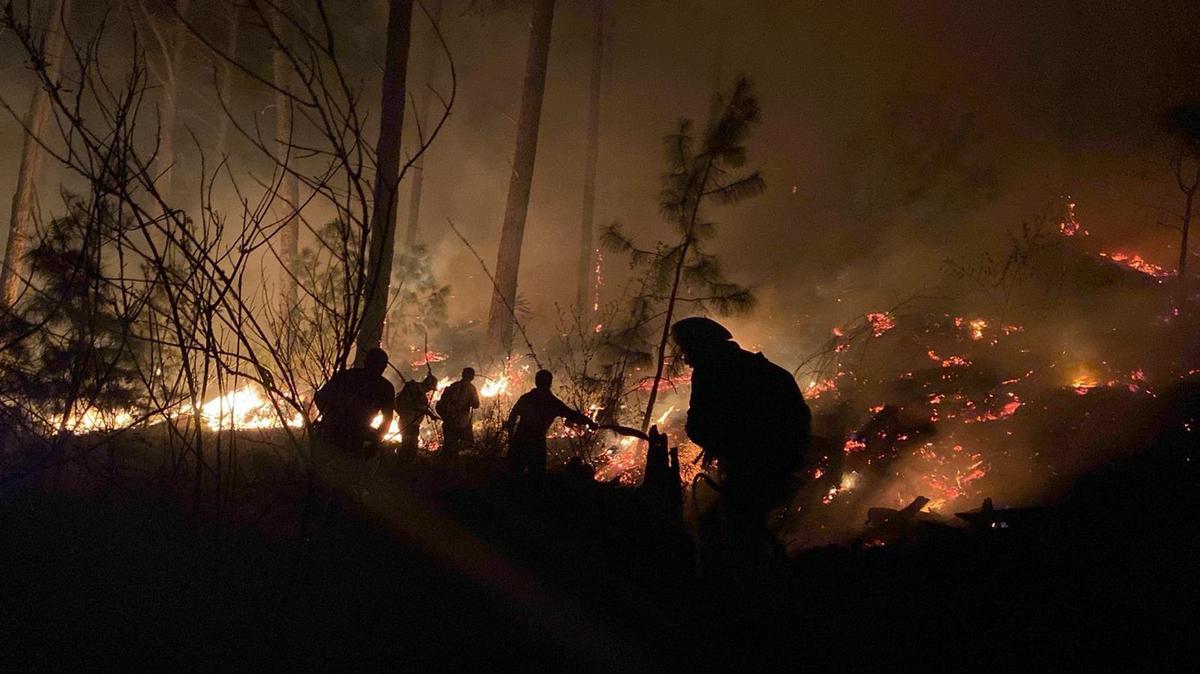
point(569, 574)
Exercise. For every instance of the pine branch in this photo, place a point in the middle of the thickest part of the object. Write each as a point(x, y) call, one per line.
point(745, 187)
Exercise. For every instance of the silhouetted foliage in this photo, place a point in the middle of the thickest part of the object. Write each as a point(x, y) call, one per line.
point(698, 174)
point(83, 349)
point(418, 305)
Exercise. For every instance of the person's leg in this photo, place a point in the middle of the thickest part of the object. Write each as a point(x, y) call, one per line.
point(537, 460)
point(522, 458)
point(451, 442)
point(409, 442)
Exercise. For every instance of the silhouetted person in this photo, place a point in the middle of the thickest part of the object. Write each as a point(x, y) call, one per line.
point(412, 406)
point(348, 403)
point(455, 407)
point(530, 419)
point(750, 416)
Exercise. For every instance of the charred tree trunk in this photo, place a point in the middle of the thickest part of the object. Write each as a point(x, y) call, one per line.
point(387, 177)
point(225, 83)
point(422, 121)
point(584, 301)
point(164, 160)
point(1185, 225)
point(508, 259)
point(287, 199)
point(21, 222)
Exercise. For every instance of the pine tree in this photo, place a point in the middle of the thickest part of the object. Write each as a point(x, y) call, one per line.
point(696, 176)
point(21, 225)
point(86, 354)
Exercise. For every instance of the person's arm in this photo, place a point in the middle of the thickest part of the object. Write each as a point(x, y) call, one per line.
point(326, 397)
point(474, 397)
point(517, 411)
point(429, 411)
point(321, 398)
point(573, 416)
point(702, 418)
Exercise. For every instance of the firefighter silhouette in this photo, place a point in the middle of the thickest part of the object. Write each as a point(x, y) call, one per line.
point(455, 406)
point(529, 420)
point(412, 406)
point(349, 402)
point(748, 415)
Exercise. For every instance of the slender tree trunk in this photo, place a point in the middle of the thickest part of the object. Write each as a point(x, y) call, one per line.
point(164, 161)
point(666, 335)
point(716, 73)
point(225, 73)
point(584, 302)
point(287, 200)
point(387, 177)
point(21, 223)
point(508, 259)
point(1184, 230)
point(1183, 238)
point(683, 253)
point(422, 120)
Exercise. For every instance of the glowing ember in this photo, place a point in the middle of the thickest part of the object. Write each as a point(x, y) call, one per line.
point(666, 383)
point(816, 388)
point(429, 357)
point(1007, 410)
point(853, 445)
point(1139, 264)
point(848, 483)
point(624, 458)
point(1084, 381)
point(494, 387)
point(948, 361)
point(977, 327)
point(1070, 225)
point(880, 323)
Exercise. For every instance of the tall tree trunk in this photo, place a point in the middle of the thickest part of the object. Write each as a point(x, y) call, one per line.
point(387, 176)
point(716, 73)
point(1183, 239)
point(1184, 231)
point(164, 161)
point(225, 83)
point(287, 200)
point(21, 223)
point(508, 259)
point(422, 120)
point(666, 336)
point(584, 302)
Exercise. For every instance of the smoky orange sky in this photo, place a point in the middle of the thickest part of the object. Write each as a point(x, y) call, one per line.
point(1042, 100)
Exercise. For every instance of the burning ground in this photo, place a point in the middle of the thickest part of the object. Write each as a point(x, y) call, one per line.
point(1009, 392)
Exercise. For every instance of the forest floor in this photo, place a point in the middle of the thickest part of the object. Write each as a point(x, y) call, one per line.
point(572, 574)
